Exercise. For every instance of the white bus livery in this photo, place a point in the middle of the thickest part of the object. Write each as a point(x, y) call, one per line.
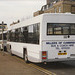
point(45, 38)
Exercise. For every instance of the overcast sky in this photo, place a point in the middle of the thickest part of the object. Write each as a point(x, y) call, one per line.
point(12, 10)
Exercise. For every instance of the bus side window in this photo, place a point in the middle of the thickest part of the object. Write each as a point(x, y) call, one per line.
point(57, 30)
point(49, 29)
point(10, 36)
point(25, 34)
point(21, 35)
point(36, 31)
point(30, 34)
point(66, 30)
point(16, 35)
point(72, 28)
point(13, 35)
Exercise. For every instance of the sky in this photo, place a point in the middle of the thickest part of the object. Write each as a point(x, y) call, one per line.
point(12, 10)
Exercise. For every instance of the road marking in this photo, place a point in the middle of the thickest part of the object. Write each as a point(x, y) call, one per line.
point(42, 69)
point(37, 67)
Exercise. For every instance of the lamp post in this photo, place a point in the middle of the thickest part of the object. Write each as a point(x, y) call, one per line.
point(2, 26)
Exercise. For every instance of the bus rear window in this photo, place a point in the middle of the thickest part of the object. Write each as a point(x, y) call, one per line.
point(60, 29)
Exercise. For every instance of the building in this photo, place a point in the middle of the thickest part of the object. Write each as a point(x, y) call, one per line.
point(50, 1)
point(57, 6)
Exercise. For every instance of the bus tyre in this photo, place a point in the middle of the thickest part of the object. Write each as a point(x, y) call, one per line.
point(26, 57)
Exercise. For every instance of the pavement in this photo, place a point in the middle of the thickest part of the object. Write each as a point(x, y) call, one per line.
point(10, 65)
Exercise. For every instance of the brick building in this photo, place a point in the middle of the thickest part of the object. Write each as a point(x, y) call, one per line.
point(57, 6)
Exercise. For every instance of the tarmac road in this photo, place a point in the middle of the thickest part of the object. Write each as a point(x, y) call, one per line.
point(60, 68)
point(12, 65)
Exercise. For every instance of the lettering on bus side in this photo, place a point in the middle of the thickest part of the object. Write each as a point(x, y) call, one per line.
point(61, 45)
point(51, 42)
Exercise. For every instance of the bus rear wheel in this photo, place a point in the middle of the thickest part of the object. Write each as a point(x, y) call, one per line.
point(26, 57)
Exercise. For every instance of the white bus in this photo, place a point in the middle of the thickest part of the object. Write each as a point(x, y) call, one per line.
point(3, 41)
point(45, 38)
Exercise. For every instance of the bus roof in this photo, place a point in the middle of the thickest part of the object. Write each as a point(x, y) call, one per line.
point(39, 18)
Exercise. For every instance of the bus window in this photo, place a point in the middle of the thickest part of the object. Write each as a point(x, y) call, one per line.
point(10, 36)
point(60, 29)
point(72, 29)
point(21, 35)
point(30, 29)
point(16, 35)
point(66, 30)
point(25, 34)
point(36, 33)
point(57, 30)
point(33, 33)
point(30, 34)
point(50, 29)
point(13, 35)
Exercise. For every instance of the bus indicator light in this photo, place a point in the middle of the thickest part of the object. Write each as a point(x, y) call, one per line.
point(44, 55)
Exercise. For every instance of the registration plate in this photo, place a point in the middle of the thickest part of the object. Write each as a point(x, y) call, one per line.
point(62, 53)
